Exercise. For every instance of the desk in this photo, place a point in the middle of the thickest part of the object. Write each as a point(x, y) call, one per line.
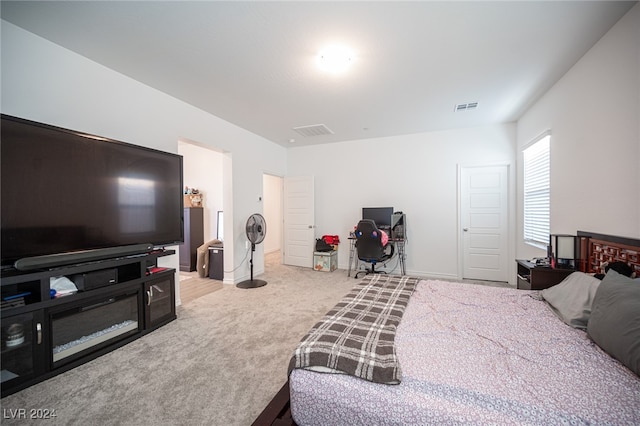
point(399, 244)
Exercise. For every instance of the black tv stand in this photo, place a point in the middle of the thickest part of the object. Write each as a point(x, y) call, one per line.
point(44, 336)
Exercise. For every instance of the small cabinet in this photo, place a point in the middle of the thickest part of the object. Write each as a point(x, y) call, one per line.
point(193, 238)
point(534, 277)
point(160, 301)
point(22, 348)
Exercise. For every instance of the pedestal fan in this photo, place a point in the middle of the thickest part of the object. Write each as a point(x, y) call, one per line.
point(256, 230)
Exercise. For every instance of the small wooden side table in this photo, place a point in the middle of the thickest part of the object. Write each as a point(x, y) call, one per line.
point(534, 277)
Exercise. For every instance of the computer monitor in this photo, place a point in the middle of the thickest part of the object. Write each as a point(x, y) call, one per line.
point(380, 215)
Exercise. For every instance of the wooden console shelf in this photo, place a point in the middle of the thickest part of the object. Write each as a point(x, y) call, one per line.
point(42, 336)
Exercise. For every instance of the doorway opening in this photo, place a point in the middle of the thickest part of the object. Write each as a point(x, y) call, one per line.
point(272, 190)
point(204, 174)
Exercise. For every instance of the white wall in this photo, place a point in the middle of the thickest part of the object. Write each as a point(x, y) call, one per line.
point(416, 174)
point(203, 170)
point(44, 82)
point(593, 112)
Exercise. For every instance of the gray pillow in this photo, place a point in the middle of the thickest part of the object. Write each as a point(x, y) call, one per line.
point(571, 299)
point(615, 319)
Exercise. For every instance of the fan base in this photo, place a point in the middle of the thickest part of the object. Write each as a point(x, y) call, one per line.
point(251, 284)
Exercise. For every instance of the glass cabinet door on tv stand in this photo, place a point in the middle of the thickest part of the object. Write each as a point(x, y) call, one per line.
point(81, 328)
point(22, 348)
point(160, 302)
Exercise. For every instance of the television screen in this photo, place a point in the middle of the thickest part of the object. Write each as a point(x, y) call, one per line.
point(380, 215)
point(64, 191)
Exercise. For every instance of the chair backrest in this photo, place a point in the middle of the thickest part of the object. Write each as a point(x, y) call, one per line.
point(369, 241)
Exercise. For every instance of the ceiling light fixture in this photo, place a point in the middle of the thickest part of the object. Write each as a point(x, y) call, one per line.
point(335, 59)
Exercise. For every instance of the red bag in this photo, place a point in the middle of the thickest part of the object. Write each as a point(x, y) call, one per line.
point(331, 239)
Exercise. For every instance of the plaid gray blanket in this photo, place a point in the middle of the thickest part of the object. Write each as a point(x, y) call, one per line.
point(357, 336)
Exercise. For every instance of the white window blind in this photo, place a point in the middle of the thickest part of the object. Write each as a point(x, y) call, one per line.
point(537, 191)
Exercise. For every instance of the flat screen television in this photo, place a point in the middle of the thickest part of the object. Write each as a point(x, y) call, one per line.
point(380, 215)
point(66, 193)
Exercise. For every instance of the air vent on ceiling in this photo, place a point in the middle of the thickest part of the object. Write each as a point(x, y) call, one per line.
point(466, 107)
point(313, 130)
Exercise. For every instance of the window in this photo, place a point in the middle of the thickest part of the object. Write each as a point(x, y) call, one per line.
point(220, 227)
point(537, 191)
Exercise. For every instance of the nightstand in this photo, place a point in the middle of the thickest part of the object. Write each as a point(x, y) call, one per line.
point(534, 277)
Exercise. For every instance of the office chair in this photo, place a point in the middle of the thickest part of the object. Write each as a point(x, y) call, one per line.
point(369, 246)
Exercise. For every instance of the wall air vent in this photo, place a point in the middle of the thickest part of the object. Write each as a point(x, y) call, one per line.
point(466, 107)
point(313, 130)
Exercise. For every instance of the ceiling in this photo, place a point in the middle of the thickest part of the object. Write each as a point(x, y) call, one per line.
point(254, 63)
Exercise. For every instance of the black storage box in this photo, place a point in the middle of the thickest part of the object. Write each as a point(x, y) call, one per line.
point(216, 263)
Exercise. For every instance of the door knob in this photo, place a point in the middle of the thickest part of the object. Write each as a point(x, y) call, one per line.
point(465, 229)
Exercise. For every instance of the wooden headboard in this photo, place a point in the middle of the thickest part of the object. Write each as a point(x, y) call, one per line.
point(598, 250)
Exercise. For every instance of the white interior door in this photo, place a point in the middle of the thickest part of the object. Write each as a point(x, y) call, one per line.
point(484, 222)
point(299, 221)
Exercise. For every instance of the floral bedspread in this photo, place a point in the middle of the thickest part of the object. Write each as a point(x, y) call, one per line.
point(473, 354)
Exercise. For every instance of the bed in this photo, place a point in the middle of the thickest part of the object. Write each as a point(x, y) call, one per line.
point(488, 355)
